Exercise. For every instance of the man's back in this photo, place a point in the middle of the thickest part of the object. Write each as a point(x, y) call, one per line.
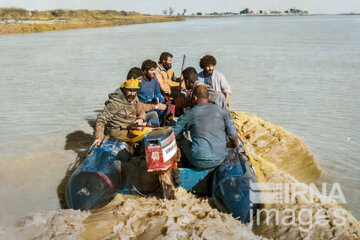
point(209, 125)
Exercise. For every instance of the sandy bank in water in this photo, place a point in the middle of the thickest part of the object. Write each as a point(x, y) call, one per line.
point(277, 157)
point(275, 145)
point(16, 28)
point(134, 217)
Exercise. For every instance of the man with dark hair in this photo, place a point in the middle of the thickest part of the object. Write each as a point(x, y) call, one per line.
point(213, 78)
point(190, 76)
point(207, 148)
point(165, 75)
point(150, 93)
point(166, 59)
point(135, 73)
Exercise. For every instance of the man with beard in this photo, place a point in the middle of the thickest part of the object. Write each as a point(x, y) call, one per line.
point(213, 78)
point(166, 77)
point(150, 93)
point(122, 109)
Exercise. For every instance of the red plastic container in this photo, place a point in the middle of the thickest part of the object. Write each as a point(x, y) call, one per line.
point(161, 150)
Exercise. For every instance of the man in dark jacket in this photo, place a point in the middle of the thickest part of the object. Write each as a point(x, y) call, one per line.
point(210, 128)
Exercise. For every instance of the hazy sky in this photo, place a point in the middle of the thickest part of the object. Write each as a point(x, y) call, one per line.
point(156, 6)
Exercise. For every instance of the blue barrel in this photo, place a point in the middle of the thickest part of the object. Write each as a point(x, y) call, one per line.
point(97, 178)
point(231, 186)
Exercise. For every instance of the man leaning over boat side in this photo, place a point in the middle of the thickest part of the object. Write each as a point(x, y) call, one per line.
point(150, 93)
point(191, 79)
point(213, 78)
point(122, 109)
point(207, 147)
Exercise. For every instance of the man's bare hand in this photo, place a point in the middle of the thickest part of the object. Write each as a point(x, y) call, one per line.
point(227, 98)
point(97, 142)
point(234, 142)
point(161, 106)
point(139, 121)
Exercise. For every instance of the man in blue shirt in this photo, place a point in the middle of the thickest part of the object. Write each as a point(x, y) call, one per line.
point(210, 128)
point(150, 93)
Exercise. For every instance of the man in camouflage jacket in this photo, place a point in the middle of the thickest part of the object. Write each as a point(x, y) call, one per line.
point(121, 109)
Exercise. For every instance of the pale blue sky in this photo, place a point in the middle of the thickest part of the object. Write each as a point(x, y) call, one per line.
point(156, 6)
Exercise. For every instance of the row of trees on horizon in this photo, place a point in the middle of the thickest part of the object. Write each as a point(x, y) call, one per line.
point(23, 14)
point(170, 11)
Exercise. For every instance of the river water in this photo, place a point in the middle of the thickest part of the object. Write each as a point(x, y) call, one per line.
point(299, 72)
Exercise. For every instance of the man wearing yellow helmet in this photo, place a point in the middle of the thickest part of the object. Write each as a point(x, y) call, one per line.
point(121, 109)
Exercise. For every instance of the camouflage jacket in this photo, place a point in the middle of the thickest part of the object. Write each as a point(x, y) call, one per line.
point(119, 113)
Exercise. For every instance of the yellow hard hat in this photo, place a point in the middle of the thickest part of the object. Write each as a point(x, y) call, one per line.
point(131, 84)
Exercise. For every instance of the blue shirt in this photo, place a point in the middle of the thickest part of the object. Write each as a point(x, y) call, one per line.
point(203, 79)
point(149, 90)
point(209, 126)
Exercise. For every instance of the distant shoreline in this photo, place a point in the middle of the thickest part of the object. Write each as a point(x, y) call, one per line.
point(269, 15)
point(18, 21)
point(21, 28)
point(111, 18)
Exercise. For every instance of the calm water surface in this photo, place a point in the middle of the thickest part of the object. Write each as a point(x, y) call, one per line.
point(299, 72)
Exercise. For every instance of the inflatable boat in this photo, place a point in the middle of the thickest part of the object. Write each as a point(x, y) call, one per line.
point(112, 168)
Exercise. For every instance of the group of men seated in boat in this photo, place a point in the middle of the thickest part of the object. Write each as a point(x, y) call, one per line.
point(152, 93)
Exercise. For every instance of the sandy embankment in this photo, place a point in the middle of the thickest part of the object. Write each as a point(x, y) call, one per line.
point(280, 157)
point(14, 28)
